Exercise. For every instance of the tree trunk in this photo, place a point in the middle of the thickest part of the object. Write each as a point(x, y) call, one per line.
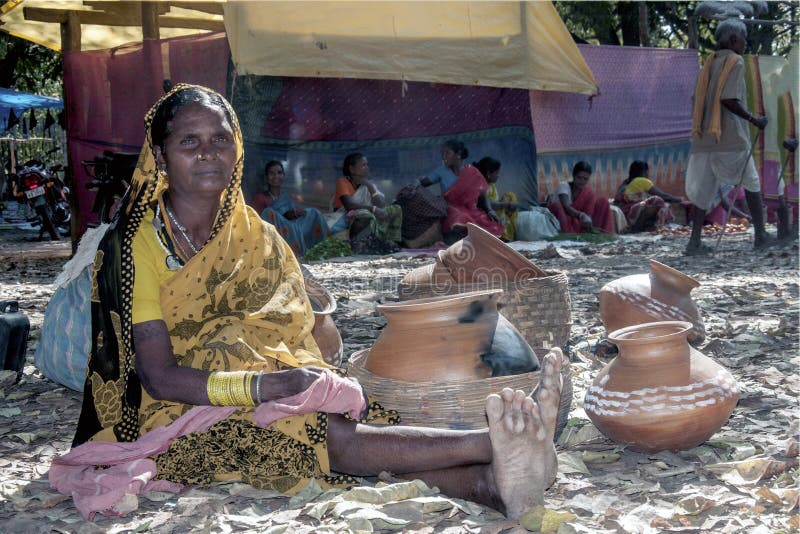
point(692, 32)
point(644, 33)
point(629, 23)
point(9, 63)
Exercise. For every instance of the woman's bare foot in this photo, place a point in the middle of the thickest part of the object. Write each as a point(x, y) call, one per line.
point(521, 430)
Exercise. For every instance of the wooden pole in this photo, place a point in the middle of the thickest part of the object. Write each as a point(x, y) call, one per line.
point(150, 28)
point(644, 32)
point(71, 42)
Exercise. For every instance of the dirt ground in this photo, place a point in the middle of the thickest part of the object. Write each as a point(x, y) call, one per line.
point(742, 480)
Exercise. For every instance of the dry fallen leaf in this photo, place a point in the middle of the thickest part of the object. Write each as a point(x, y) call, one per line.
point(748, 472)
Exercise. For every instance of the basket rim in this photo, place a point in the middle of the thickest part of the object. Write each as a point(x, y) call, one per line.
point(431, 302)
point(358, 358)
point(551, 276)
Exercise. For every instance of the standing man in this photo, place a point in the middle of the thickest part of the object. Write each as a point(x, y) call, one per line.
point(721, 147)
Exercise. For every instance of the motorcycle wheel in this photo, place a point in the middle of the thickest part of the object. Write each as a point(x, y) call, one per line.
point(47, 221)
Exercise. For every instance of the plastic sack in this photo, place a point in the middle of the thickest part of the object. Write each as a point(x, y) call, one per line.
point(66, 338)
point(536, 223)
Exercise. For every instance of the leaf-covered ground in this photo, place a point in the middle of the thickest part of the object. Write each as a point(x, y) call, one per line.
point(743, 480)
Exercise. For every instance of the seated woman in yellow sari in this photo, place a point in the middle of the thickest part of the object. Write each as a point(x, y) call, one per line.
point(506, 206)
point(201, 321)
point(645, 206)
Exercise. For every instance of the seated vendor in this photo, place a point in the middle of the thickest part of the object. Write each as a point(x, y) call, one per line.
point(505, 206)
point(576, 206)
point(366, 211)
point(645, 206)
point(200, 319)
point(465, 196)
point(301, 227)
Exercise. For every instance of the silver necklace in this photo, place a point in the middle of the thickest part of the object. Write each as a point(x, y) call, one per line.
point(172, 260)
point(180, 228)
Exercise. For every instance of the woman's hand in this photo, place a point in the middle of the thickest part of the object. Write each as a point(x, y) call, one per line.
point(586, 221)
point(493, 216)
point(281, 384)
point(379, 213)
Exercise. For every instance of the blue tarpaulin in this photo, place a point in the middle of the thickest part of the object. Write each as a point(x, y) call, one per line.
point(22, 102)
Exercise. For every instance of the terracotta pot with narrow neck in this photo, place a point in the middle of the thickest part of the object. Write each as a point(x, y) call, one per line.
point(481, 257)
point(436, 339)
point(660, 393)
point(325, 332)
point(664, 294)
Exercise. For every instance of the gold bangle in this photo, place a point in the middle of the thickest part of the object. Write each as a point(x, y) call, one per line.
point(230, 388)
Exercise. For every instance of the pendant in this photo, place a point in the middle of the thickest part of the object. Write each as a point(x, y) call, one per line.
point(173, 263)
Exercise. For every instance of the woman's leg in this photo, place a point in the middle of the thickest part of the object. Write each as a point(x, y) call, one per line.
point(647, 214)
point(569, 225)
point(359, 225)
point(511, 463)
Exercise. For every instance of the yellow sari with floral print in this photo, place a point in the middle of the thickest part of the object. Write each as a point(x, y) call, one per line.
point(239, 304)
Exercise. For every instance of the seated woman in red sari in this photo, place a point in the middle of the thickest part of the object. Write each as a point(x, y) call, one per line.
point(466, 198)
point(576, 206)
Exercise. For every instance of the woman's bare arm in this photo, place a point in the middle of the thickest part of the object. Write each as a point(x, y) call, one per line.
point(164, 379)
point(572, 212)
point(666, 196)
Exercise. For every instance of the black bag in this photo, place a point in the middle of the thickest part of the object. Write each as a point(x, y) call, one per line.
point(14, 329)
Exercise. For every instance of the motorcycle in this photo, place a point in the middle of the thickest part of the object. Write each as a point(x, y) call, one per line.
point(44, 191)
point(111, 174)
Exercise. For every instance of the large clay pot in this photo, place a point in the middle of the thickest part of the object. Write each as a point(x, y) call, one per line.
point(481, 257)
point(431, 274)
point(660, 393)
point(436, 339)
point(662, 295)
point(325, 332)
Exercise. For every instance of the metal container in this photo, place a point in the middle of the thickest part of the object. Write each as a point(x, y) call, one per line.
point(14, 328)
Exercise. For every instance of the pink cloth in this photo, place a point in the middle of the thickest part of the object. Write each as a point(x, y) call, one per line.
point(129, 467)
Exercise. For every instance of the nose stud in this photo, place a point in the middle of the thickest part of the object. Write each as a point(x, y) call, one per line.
point(201, 156)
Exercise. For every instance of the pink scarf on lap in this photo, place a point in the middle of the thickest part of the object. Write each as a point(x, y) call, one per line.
point(130, 469)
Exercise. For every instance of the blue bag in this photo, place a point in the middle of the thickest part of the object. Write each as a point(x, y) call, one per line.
point(66, 338)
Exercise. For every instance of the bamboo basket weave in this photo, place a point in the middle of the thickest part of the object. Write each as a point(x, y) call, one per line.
point(538, 306)
point(455, 404)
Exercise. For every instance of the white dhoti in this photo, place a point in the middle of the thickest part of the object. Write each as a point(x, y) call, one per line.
point(708, 171)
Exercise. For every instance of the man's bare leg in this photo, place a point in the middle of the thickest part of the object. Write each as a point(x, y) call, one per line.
point(464, 464)
point(695, 246)
point(755, 204)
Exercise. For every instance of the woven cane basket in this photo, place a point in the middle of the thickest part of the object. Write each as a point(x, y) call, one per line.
point(455, 404)
point(539, 307)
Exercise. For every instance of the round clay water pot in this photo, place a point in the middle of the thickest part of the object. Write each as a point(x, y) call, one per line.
point(325, 332)
point(664, 294)
point(481, 257)
point(436, 339)
point(660, 393)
